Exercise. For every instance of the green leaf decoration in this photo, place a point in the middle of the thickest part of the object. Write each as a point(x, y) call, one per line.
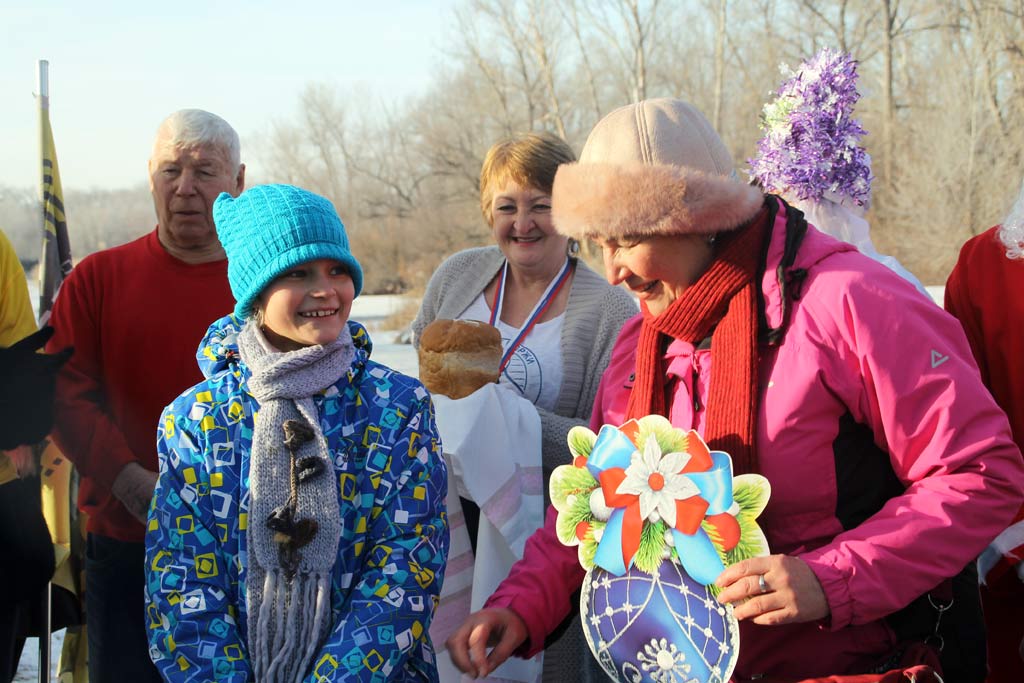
point(581, 441)
point(716, 540)
point(576, 510)
point(588, 548)
point(565, 527)
point(569, 480)
point(752, 542)
point(751, 493)
point(580, 505)
point(652, 545)
point(669, 438)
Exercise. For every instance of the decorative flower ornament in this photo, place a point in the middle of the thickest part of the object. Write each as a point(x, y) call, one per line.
point(811, 147)
point(624, 505)
point(657, 481)
point(663, 662)
point(656, 517)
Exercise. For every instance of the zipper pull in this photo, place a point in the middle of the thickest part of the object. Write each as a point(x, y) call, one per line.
point(693, 390)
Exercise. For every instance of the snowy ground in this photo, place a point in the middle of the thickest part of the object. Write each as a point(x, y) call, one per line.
point(28, 667)
point(376, 313)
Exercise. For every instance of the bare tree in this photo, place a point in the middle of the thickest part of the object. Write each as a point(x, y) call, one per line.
point(943, 87)
point(539, 23)
point(570, 12)
point(631, 28)
point(21, 222)
point(720, 29)
point(890, 9)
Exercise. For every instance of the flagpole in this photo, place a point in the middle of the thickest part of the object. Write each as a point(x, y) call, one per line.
point(43, 89)
point(43, 92)
point(58, 475)
point(43, 95)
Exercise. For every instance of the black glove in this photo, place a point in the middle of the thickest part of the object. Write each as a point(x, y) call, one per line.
point(27, 389)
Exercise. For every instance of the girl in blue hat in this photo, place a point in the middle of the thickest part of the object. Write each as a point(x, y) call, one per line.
point(298, 531)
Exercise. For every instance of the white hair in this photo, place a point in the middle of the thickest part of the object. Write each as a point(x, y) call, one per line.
point(194, 127)
point(1011, 232)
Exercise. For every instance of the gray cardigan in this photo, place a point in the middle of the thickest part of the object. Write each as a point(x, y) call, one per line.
point(593, 317)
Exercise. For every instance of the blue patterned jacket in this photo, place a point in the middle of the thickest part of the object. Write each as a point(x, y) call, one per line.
point(379, 426)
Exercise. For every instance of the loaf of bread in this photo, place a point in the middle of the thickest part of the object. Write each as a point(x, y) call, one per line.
point(457, 357)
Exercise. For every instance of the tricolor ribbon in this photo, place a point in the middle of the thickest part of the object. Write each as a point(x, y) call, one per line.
point(709, 471)
point(546, 299)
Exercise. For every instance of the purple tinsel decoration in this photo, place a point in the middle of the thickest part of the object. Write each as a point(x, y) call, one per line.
point(811, 144)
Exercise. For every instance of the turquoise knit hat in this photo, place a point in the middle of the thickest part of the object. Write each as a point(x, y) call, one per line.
point(270, 229)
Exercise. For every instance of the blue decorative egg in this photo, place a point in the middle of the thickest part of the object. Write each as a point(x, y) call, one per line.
point(665, 628)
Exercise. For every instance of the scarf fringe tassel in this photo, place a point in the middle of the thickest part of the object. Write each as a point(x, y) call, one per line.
point(289, 626)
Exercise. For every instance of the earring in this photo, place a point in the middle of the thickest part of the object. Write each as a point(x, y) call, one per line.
point(711, 240)
point(572, 249)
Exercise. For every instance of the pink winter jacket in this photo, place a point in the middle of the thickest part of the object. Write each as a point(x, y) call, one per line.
point(864, 355)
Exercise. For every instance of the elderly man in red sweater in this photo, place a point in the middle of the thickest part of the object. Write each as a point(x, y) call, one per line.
point(135, 315)
point(985, 292)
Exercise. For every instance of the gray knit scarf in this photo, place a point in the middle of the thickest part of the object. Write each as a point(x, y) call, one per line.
point(295, 523)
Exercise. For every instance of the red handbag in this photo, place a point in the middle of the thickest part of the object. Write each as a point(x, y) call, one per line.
point(921, 673)
point(918, 663)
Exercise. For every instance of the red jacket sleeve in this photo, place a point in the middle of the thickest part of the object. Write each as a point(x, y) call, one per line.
point(83, 427)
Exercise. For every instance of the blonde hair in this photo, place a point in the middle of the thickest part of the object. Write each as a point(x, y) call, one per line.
point(529, 160)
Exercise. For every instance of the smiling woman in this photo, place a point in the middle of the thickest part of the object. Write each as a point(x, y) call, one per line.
point(773, 342)
point(658, 269)
point(558, 320)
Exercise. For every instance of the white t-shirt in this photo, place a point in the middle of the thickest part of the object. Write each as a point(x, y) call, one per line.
point(535, 370)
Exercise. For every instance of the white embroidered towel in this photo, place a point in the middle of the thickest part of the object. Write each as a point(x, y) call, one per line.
point(492, 442)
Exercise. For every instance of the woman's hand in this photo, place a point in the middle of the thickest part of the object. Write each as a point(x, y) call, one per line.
point(773, 590)
point(496, 627)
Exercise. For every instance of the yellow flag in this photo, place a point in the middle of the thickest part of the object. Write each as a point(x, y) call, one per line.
point(55, 262)
point(59, 483)
point(54, 266)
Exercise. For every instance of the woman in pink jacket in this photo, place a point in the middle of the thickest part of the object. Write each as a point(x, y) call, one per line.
point(891, 467)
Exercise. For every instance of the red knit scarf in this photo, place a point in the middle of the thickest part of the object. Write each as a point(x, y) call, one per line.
point(723, 299)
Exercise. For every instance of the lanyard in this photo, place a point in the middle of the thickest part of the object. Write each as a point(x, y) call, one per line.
point(549, 295)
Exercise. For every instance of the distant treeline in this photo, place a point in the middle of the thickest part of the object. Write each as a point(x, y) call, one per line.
point(943, 101)
point(97, 219)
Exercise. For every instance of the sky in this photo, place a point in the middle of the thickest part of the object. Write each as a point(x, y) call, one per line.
point(118, 68)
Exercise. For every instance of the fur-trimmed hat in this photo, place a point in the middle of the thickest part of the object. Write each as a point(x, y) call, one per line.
point(269, 229)
point(649, 168)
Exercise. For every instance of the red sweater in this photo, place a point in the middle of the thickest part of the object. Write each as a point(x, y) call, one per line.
point(135, 315)
point(984, 292)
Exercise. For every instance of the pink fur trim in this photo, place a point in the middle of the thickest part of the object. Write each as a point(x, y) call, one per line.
point(615, 200)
